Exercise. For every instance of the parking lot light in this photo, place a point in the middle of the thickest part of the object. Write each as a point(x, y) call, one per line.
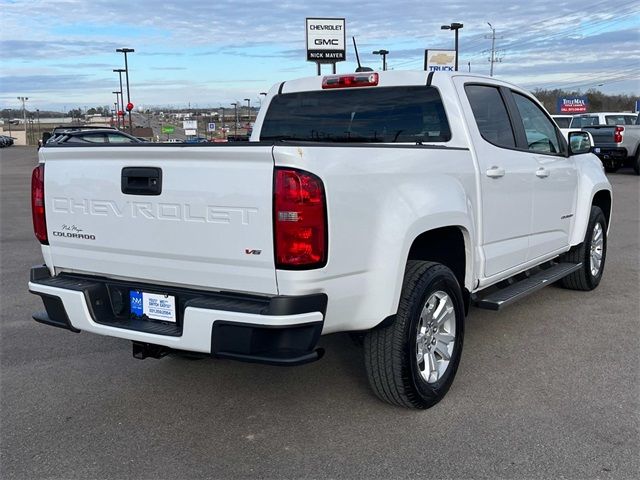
point(384, 54)
point(455, 27)
point(235, 125)
point(126, 73)
point(248, 100)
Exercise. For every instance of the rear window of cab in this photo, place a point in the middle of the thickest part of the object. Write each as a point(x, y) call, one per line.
point(371, 115)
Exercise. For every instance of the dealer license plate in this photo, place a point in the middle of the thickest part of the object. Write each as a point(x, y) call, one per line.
point(153, 305)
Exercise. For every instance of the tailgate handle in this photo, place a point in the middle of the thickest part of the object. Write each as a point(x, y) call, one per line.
point(141, 181)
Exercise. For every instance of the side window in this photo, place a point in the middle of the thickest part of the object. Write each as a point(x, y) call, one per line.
point(113, 138)
point(539, 129)
point(491, 115)
point(92, 138)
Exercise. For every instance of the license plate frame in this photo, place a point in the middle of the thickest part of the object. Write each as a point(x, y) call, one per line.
point(154, 306)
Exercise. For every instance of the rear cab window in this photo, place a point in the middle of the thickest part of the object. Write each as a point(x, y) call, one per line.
point(620, 119)
point(584, 121)
point(371, 115)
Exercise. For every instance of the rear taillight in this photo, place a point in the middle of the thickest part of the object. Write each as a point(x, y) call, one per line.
point(350, 80)
point(300, 220)
point(617, 134)
point(37, 204)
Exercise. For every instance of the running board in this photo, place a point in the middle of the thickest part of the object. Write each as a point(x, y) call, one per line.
point(505, 296)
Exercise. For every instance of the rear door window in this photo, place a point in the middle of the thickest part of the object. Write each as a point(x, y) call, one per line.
point(379, 115)
point(491, 115)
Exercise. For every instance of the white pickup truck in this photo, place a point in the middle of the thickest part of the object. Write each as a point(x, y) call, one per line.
point(379, 203)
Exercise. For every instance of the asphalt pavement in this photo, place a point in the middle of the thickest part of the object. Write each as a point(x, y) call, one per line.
point(547, 388)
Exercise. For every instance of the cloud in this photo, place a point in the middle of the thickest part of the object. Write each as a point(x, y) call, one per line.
point(187, 43)
point(53, 49)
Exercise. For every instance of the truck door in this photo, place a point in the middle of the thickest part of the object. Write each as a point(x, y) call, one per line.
point(506, 177)
point(555, 183)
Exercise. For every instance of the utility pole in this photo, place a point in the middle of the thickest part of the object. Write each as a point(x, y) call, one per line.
point(493, 38)
point(24, 117)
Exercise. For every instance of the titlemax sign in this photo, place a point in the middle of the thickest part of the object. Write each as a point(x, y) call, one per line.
point(155, 211)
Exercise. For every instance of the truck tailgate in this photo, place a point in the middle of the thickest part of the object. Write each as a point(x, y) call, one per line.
point(602, 134)
point(209, 227)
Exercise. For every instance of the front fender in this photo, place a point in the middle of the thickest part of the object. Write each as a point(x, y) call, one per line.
point(592, 180)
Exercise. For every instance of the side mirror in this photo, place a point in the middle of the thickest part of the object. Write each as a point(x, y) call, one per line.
point(579, 143)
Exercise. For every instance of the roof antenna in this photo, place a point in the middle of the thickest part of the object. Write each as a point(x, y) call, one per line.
point(360, 67)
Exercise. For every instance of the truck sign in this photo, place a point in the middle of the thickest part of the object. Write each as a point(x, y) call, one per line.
point(573, 105)
point(326, 40)
point(439, 60)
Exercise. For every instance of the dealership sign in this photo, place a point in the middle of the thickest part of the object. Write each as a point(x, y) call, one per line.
point(190, 124)
point(326, 40)
point(573, 105)
point(168, 129)
point(440, 60)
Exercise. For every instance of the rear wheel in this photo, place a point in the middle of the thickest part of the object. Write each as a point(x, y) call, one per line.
point(592, 253)
point(413, 361)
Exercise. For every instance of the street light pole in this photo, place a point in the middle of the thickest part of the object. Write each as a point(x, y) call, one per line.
point(117, 107)
point(384, 54)
point(248, 100)
point(119, 71)
point(24, 116)
point(235, 125)
point(455, 27)
point(126, 73)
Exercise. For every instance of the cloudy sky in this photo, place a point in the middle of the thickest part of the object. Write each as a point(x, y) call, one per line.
point(61, 53)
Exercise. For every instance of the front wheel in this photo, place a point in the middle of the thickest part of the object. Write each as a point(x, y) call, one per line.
point(592, 253)
point(412, 362)
point(636, 162)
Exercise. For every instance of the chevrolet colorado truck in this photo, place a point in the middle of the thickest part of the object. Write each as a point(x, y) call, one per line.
point(380, 203)
point(617, 145)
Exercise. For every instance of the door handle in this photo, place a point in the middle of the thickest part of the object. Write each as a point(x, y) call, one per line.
point(141, 181)
point(542, 172)
point(495, 172)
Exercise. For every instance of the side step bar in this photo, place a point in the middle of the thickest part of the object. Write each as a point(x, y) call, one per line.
point(505, 296)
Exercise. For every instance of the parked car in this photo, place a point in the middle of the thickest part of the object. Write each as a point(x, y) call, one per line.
point(388, 209)
point(6, 141)
point(93, 136)
point(617, 145)
point(603, 118)
point(196, 140)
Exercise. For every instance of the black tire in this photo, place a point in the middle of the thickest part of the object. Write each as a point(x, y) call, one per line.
point(636, 162)
point(390, 352)
point(584, 279)
point(611, 168)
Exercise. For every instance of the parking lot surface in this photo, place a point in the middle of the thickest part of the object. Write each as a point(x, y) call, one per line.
point(547, 388)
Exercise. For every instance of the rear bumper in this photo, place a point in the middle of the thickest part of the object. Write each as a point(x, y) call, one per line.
point(276, 330)
point(611, 156)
